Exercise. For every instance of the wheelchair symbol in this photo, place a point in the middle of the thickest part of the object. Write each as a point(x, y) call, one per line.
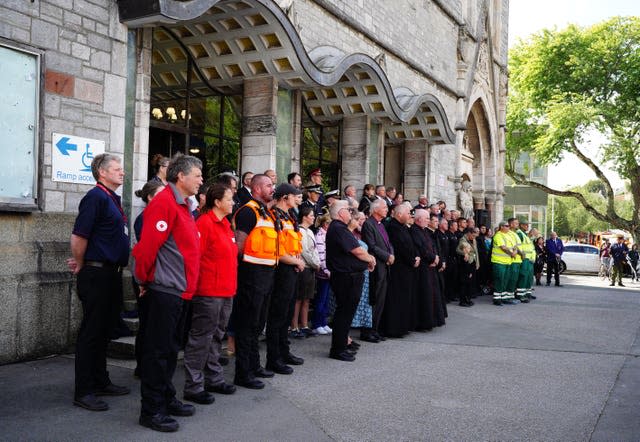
point(87, 157)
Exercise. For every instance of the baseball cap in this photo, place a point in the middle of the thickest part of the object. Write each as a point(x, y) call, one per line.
point(286, 189)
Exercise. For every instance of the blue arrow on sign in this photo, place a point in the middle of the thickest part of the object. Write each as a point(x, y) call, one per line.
point(64, 146)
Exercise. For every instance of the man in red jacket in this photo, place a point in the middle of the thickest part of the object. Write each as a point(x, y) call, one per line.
point(167, 262)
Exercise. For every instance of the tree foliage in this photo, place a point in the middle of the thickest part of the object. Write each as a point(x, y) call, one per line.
point(566, 84)
point(571, 218)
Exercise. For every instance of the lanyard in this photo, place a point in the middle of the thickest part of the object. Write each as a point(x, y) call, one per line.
point(113, 198)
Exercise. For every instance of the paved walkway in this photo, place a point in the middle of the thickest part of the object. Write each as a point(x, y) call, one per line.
point(564, 368)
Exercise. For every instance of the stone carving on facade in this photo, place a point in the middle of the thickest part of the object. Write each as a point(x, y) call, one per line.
point(381, 59)
point(465, 199)
point(483, 62)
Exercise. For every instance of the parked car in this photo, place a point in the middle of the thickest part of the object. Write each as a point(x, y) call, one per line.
point(582, 258)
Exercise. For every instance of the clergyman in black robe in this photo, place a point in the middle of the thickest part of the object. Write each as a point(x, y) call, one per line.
point(397, 315)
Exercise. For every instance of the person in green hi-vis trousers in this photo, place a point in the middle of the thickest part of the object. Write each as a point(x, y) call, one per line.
point(514, 270)
point(525, 278)
point(502, 253)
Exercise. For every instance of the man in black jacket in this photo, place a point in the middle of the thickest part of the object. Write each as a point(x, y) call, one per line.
point(375, 236)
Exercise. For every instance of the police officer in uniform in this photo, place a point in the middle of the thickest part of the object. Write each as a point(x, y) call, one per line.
point(100, 249)
point(314, 194)
point(286, 276)
point(257, 241)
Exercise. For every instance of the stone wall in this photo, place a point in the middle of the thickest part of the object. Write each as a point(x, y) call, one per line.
point(85, 77)
point(84, 70)
point(39, 312)
point(428, 41)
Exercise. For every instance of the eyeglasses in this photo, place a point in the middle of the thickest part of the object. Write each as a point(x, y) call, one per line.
point(351, 210)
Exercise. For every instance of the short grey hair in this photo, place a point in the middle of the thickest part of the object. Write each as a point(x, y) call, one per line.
point(336, 207)
point(181, 163)
point(101, 162)
point(375, 204)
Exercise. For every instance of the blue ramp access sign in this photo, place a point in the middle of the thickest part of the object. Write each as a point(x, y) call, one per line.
point(71, 158)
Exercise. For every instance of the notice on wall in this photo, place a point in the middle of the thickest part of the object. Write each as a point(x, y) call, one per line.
point(71, 158)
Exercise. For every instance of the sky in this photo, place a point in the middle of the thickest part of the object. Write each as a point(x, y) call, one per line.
point(527, 17)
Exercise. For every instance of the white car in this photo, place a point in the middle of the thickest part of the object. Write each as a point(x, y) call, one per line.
point(582, 258)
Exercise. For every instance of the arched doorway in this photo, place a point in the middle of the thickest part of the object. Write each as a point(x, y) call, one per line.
point(477, 146)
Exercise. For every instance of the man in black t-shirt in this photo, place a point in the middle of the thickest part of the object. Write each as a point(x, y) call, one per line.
point(255, 283)
point(347, 261)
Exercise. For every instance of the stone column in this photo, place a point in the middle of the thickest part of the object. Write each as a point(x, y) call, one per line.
point(259, 122)
point(416, 171)
point(296, 148)
point(355, 156)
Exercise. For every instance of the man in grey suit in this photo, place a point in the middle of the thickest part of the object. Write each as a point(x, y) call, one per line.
point(375, 236)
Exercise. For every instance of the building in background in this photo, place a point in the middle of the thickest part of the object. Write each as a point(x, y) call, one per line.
point(410, 94)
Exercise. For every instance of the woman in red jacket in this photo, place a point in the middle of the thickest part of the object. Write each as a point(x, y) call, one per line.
point(213, 299)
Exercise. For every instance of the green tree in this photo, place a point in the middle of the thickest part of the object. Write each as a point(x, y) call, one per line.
point(564, 85)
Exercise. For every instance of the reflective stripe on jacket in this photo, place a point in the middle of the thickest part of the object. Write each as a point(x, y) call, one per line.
point(498, 255)
point(261, 244)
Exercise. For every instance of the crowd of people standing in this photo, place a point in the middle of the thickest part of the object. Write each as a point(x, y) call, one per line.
point(239, 257)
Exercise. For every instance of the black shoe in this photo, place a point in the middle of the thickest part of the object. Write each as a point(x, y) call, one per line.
point(113, 390)
point(620, 284)
point(203, 398)
point(497, 302)
point(91, 402)
point(343, 356)
point(538, 283)
point(352, 348)
point(253, 384)
point(279, 367)
point(355, 344)
point(378, 336)
point(611, 285)
point(177, 408)
point(223, 360)
point(159, 422)
point(465, 304)
point(524, 300)
point(291, 359)
point(369, 338)
point(222, 388)
point(558, 285)
point(533, 297)
point(262, 372)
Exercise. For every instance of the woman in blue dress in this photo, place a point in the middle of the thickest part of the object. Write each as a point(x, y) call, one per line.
point(363, 315)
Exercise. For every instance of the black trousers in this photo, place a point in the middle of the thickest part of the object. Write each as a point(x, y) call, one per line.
point(100, 292)
point(347, 288)
point(380, 287)
point(467, 281)
point(553, 267)
point(160, 345)
point(255, 283)
point(280, 311)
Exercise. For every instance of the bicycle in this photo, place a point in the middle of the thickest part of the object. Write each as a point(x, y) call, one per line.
point(605, 269)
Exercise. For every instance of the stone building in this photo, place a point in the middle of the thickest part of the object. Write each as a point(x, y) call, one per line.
point(409, 93)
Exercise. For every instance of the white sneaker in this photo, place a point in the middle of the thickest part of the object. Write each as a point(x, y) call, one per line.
point(327, 329)
point(321, 331)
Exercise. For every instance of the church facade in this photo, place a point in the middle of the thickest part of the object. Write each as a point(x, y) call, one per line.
point(409, 93)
